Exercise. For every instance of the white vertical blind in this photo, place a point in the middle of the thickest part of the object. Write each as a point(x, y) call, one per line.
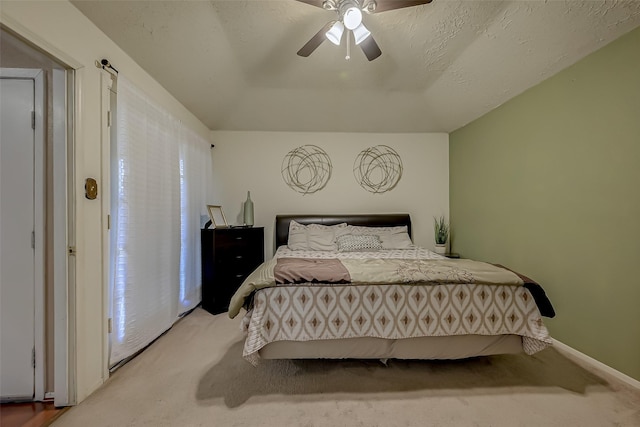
point(195, 183)
point(163, 173)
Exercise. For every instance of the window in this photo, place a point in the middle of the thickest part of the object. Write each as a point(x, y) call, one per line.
point(162, 170)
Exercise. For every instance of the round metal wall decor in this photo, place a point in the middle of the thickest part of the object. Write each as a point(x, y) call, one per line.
point(378, 169)
point(306, 169)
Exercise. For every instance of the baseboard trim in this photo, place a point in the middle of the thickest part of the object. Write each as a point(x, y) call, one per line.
point(581, 357)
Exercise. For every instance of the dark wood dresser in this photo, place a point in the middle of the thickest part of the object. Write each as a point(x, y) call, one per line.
point(229, 255)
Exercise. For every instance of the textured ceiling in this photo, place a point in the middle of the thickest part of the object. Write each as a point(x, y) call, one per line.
point(233, 63)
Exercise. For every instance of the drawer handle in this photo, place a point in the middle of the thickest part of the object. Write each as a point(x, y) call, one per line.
point(239, 257)
point(239, 275)
point(239, 238)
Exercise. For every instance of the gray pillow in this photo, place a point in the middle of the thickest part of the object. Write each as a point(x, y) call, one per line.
point(391, 237)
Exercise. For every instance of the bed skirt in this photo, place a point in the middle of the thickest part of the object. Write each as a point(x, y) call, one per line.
point(424, 348)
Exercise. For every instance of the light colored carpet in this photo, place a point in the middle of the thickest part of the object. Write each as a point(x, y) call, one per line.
point(194, 375)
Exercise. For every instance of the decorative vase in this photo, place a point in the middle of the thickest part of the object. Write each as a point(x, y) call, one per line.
point(248, 210)
point(441, 248)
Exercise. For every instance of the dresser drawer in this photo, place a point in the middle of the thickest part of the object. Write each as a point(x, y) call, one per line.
point(233, 279)
point(238, 238)
point(240, 265)
point(238, 254)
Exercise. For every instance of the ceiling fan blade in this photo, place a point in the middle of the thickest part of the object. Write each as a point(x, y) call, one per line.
point(317, 3)
point(315, 41)
point(370, 48)
point(384, 5)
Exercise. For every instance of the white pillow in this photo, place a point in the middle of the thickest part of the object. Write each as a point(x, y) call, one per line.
point(314, 237)
point(358, 242)
point(391, 237)
point(396, 240)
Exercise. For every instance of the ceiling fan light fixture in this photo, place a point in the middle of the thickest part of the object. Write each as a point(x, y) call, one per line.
point(335, 33)
point(352, 18)
point(360, 34)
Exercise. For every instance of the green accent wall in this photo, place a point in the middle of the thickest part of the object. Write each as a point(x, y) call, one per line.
point(549, 185)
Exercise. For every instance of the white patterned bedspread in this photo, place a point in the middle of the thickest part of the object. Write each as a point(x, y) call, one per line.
point(312, 311)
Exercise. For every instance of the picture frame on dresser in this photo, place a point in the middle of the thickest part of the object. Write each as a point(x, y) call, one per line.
point(216, 215)
point(229, 255)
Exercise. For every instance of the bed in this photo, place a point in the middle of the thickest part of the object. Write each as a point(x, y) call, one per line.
point(355, 286)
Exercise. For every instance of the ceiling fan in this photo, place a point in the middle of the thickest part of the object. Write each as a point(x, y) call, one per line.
point(350, 18)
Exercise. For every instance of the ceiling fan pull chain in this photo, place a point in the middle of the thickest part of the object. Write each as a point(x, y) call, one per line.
point(348, 57)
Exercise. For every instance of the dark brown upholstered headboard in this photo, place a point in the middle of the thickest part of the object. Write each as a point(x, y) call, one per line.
point(372, 220)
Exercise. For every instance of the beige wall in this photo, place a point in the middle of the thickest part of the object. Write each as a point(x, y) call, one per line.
point(251, 161)
point(548, 185)
point(60, 29)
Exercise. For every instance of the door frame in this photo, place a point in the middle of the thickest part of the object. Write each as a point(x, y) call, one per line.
point(65, 385)
point(107, 91)
point(63, 220)
point(38, 218)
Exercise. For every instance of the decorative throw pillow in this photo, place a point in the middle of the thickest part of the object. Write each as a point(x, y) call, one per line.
point(358, 242)
point(391, 237)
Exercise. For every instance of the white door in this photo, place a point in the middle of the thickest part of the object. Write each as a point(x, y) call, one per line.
point(17, 225)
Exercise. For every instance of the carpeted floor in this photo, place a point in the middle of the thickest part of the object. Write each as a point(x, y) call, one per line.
point(194, 375)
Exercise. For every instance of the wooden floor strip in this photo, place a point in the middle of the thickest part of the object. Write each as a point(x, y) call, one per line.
point(30, 414)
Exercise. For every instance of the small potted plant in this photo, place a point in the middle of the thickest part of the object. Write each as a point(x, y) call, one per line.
point(441, 232)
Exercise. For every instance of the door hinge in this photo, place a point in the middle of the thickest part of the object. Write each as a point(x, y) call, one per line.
point(108, 118)
point(109, 325)
point(33, 120)
point(33, 240)
point(71, 250)
point(108, 222)
point(33, 357)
